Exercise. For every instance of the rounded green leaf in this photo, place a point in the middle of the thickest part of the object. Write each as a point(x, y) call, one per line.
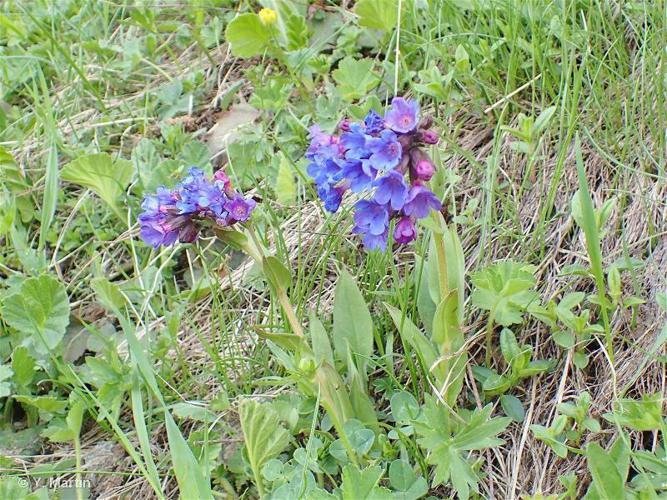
point(247, 35)
point(377, 14)
point(40, 308)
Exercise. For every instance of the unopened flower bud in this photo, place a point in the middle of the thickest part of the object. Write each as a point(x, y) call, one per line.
point(307, 365)
point(424, 170)
point(345, 125)
point(268, 16)
point(429, 137)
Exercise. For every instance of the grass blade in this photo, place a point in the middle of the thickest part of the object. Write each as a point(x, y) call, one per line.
point(590, 228)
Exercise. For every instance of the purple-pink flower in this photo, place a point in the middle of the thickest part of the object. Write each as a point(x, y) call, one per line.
point(405, 231)
point(403, 115)
point(391, 189)
point(239, 208)
point(371, 217)
point(178, 214)
point(383, 159)
point(421, 201)
point(386, 150)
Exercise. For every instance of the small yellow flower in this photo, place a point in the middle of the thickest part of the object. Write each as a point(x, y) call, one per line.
point(268, 16)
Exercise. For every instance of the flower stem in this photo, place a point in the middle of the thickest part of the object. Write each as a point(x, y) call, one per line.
point(489, 338)
point(442, 261)
point(256, 250)
point(283, 298)
point(334, 398)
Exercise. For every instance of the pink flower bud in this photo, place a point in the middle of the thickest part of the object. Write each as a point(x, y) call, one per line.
point(424, 170)
point(345, 125)
point(429, 137)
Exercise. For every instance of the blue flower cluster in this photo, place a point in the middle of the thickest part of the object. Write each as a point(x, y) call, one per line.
point(383, 159)
point(177, 214)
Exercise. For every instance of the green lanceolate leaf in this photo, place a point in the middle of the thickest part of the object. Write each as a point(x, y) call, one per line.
point(107, 177)
point(50, 198)
point(448, 338)
point(512, 407)
point(607, 480)
point(285, 186)
point(276, 272)
point(588, 224)
point(418, 342)
point(319, 339)
point(39, 307)
point(352, 323)
point(192, 481)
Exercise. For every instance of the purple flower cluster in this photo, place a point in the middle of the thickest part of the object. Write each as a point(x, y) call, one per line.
point(383, 159)
point(178, 214)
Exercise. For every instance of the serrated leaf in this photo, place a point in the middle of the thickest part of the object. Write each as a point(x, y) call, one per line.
point(448, 443)
point(247, 35)
point(505, 289)
point(264, 435)
point(405, 481)
point(5, 375)
point(108, 178)
point(39, 308)
point(23, 365)
point(355, 77)
point(377, 14)
point(362, 484)
point(640, 415)
point(50, 404)
point(481, 430)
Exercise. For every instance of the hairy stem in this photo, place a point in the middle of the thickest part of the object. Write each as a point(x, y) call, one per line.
point(442, 260)
point(489, 338)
